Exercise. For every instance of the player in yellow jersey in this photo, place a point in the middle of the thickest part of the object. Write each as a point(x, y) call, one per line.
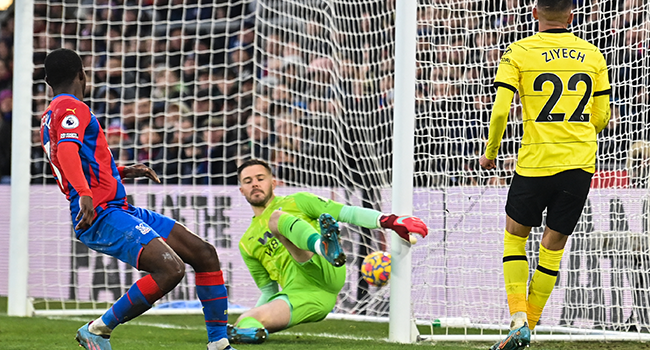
point(564, 89)
point(292, 243)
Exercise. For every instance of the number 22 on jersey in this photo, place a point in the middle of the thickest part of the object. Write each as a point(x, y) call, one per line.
point(546, 115)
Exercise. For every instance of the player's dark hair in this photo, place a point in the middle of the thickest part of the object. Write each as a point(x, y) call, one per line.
point(252, 162)
point(554, 6)
point(61, 67)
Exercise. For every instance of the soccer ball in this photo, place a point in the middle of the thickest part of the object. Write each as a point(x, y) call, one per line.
point(376, 268)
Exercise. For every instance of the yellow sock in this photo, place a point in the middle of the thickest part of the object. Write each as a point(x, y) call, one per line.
point(542, 283)
point(515, 271)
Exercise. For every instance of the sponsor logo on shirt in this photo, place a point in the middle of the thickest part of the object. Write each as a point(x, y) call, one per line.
point(70, 122)
point(265, 238)
point(69, 135)
point(506, 59)
point(142, 228)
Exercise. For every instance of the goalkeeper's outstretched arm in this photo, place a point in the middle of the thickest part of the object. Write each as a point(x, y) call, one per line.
point(369, 218)
point(314, 206)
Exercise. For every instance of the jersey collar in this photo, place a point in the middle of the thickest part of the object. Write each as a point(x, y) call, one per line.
point(556, 30)
point(69, 95)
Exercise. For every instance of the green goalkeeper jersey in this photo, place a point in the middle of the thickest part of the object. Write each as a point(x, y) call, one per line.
point(267, 259)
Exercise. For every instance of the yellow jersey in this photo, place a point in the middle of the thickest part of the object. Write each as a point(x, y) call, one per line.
point(557, 75)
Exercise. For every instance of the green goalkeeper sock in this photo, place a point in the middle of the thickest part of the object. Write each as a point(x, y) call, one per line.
point(249, 322)
point(299, 232)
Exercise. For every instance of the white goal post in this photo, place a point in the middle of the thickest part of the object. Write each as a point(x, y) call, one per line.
point(380, 103)
point(18, 304)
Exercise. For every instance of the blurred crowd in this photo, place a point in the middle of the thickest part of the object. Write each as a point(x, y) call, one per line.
point(6, 96)
point(194, 87)
point(166, 79)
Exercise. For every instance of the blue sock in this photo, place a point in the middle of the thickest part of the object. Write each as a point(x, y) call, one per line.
point(214, 297)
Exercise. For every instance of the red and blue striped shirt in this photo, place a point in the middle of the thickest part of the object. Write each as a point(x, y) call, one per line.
point(67, 119)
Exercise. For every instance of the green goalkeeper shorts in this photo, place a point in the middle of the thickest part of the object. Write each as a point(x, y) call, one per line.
point(311, 289)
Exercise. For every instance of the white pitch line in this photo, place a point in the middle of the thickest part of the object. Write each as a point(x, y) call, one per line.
point(173, 326)
point(134, 323)
point(335, 336)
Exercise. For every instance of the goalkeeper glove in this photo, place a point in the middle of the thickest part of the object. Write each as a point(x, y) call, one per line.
point(403, 225)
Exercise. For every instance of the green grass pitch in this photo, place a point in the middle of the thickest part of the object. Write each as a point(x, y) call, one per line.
point(188, 332)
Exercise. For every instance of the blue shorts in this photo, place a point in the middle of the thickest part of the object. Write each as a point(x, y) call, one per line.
point(121, 233)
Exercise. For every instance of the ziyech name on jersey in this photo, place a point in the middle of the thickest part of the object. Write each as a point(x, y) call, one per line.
point(553, 54)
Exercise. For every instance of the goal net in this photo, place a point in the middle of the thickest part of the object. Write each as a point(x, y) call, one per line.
point(193, 88)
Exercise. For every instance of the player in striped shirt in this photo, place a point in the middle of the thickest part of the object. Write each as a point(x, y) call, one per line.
point(564, 89)
point(85, 171)
point(292, 243)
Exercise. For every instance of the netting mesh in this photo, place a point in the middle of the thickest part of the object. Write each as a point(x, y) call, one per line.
point(171, 83)
point(459, 47)
point(192, 88)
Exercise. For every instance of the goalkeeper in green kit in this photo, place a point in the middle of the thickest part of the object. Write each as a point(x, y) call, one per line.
point(293, 244)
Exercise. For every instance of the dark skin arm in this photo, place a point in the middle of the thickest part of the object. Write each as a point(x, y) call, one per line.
point(139, 170)
point(86, 213)
point(87, 209)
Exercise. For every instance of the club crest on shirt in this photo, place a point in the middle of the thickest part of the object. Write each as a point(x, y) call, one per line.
point(70, 122)
point(142, 228)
